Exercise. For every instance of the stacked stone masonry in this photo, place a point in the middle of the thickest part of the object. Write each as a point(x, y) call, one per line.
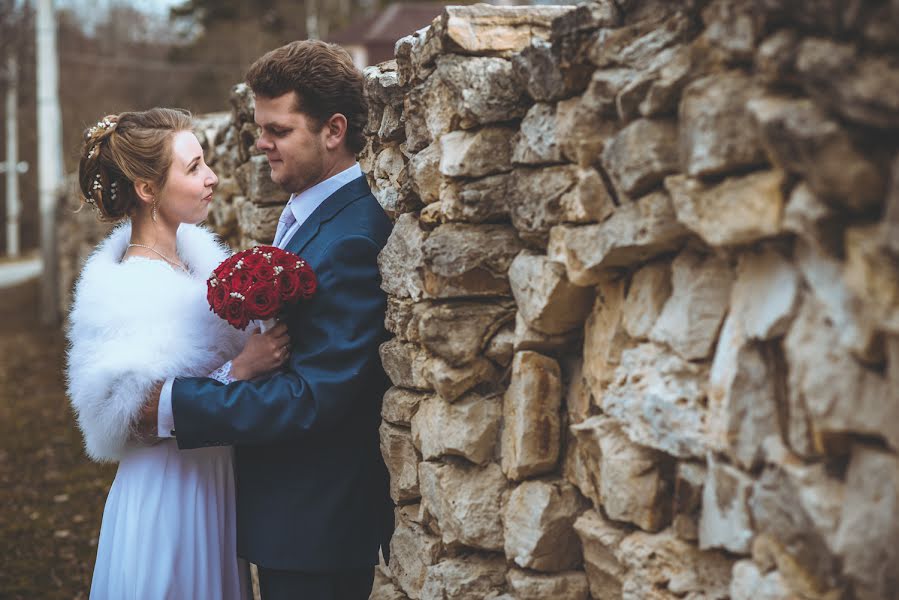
point(644, 292)
point(644, 288)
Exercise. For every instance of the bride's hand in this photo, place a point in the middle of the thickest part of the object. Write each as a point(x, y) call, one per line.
point(263, 353)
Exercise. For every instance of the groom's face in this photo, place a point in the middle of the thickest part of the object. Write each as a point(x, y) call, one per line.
point(292, 142)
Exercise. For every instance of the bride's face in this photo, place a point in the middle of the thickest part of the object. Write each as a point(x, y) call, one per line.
point(187, 193)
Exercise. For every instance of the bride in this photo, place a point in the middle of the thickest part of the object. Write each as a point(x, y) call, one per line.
point(140, 316)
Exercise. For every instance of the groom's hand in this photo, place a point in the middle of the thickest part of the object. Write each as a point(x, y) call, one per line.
point(147, 427)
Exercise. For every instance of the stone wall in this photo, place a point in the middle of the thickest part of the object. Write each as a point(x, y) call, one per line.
point(644, 291)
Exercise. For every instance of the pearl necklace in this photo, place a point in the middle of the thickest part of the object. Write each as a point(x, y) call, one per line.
point(164, 257)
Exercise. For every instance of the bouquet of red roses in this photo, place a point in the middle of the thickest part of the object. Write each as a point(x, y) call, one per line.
point(257, 284)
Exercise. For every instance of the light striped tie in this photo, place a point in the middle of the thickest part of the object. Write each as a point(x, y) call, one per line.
point(285, 222)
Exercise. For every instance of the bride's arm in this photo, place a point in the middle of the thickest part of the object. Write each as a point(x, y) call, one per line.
point(262, 354)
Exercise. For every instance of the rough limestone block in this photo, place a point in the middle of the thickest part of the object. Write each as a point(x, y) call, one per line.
point(891, 213)
point(725, 521)
point(638, 45)
point(765, 294)
point(689, 480)
point(464, 92)
point(406, 364)
point(401, 459)
point(466, 502)
point(734, 28)
point(450, 381)
point(424, 172)
point(466, 428)
point(662, 566)
point(531, 431)
point(467, 260)
point(483, 200)
point(636, 232)
point(700, 295)
point(485, 29)
point(750, 583)
point(501, 346)
point(740, 210)
point(538, 70)
point(743, 396)
point(536, 204)
point(401, 319)
point(640, 156)
point(588, 201)
point(544, 296)
point(600, 538)
point(578, 400)
point(824, 275)
point(800, 138)
point(255, 179)
point(604, 336)
point(868, 92)
point(872, 273)
point(458, 331)
point(399, 405)
point(538, 521)
point(582, 130)
point(787, 537)
point(527, 338)
point(660, 400)
point(384, 588)
point(633, 485)
point(527, 585)
point(485, 151)
point(257, 221)
point(464, 577)
point(869, 524)
point(412, 551)
point(830, 393)
point(717, 133)
point(537, 143)
point(401, 258)
point(649, 289)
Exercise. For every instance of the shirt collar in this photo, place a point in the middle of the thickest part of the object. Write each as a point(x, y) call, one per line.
point(304, 204)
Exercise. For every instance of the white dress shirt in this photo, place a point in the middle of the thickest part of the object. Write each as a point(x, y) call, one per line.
point(302, 205)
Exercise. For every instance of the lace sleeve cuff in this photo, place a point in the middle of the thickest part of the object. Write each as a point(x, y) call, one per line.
point(223, 374)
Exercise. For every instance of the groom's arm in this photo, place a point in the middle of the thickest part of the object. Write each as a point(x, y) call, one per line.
point(333, 365)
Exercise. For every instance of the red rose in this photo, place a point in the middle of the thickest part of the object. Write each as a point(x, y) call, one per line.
point(240, 281)
point(264, 271)
point(251, 260)
point(226, 267)
point(263, 300)
point(287, 260)
point(217, 296)
point(308, 282)
point(289, 285)
point(235, 313)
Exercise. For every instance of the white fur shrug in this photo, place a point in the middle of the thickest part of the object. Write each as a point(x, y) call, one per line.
point(136, 323)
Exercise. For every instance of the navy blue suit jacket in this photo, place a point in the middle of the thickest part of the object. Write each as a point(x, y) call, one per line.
point(312, 488)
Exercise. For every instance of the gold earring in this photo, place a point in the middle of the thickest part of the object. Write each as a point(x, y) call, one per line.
point(155, 206)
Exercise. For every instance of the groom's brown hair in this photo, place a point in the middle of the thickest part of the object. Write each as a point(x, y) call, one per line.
point(325, 79)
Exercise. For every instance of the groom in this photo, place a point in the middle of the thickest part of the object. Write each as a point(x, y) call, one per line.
point(312, 491)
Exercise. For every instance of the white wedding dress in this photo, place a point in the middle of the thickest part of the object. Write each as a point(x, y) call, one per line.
point(168, 528)
point(169, 524)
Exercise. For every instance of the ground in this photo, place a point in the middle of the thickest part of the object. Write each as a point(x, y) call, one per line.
point(51, 495)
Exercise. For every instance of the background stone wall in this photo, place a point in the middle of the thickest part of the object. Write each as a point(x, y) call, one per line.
point(644, 287)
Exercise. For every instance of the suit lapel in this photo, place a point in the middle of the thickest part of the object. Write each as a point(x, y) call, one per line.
point(325, 212)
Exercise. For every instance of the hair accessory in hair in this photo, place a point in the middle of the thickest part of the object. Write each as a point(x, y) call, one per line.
point(100, 126)
point(93, 150)
point(96, 186)
point(112, 190)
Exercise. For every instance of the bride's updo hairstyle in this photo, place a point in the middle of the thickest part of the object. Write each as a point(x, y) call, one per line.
point(119, 150)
